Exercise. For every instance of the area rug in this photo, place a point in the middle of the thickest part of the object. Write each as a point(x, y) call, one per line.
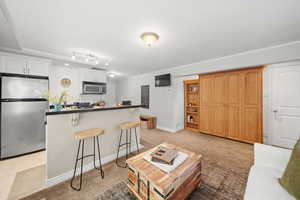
point(217, 183)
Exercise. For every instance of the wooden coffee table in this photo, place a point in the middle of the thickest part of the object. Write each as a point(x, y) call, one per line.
point(148, 182)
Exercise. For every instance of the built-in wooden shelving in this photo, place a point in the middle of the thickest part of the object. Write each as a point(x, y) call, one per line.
point(192, 104)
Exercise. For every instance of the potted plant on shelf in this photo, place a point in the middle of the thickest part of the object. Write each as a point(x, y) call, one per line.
point(56, 101)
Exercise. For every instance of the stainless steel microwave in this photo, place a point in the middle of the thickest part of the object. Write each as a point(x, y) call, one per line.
point(93, 87)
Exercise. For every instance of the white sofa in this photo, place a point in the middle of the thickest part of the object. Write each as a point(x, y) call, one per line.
point(269, 165)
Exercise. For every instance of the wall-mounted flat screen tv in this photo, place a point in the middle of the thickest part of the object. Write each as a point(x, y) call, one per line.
point(163, 80)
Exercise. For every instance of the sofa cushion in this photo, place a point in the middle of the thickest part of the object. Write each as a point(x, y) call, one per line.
point(263, 184)
point(291, 177)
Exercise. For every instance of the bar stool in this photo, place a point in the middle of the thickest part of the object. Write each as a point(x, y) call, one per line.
point(81, 136)
point(127, 126)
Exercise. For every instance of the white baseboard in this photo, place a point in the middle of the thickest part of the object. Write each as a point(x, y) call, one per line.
point(67, 175)
point(167, 129)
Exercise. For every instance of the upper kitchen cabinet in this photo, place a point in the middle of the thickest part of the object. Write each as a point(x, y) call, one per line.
point(2, 69)
point(38, 67)
point(16, 64)
point(13, 64)
point(93, 75)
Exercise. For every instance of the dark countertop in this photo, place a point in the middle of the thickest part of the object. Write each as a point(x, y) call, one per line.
point(90, 110)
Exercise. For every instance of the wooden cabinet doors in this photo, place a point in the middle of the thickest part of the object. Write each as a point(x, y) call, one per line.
point(212, 104)
point(218, 101)
point(252, 106)
point(206, 106)
point(244, 105)
point(231, 104)
point(234, 105)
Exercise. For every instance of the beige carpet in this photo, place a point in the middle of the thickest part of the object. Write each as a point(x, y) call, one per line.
point(31, 180)
point(234, 157)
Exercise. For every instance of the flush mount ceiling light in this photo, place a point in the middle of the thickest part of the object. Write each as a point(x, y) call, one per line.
point(111, 74)
point(89, 58)
point(149, 38)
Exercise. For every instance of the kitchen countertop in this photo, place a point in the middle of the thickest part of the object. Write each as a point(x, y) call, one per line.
point(81, 110)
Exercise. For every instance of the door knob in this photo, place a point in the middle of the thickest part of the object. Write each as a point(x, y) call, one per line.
point(275, 111)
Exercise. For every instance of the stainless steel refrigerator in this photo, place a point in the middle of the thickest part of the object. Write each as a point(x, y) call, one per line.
point(22, 115)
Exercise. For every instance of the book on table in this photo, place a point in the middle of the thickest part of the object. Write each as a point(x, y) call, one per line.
point(164, 155)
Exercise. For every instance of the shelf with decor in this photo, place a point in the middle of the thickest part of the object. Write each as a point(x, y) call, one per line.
point(191, 104)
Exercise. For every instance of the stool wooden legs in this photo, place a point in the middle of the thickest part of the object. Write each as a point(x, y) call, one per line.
point(128, 146)
point(81, 144)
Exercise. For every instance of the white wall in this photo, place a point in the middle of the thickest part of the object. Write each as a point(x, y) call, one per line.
point(166, 103)
point(56, 73)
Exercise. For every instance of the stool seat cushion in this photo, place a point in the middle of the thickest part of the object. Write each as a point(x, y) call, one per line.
point(88, 133)
point(128, 125)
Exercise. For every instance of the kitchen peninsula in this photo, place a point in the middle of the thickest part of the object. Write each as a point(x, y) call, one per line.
point(61, 146)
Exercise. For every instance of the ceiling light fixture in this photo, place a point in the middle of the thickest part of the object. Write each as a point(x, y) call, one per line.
point(111, 74)
point(149, 38)
point(89, 58)
point(67, 64)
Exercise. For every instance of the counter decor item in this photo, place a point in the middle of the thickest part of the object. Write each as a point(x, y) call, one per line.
point(100, 103)
point(57, 106)
point(56, 101)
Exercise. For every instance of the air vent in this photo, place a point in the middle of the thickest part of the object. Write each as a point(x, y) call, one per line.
point(98, 69)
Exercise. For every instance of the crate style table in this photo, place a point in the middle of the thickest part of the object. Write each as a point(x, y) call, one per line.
point(148, 182)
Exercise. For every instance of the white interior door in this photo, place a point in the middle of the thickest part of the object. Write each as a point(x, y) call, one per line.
point(285, 105)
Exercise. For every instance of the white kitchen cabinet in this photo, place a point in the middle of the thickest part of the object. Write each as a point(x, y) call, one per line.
point(38, 67)
point(93, 75)
point(99, 76)
point(2, 69)
point(14, 64)
point(87, 75)
point(17, 64)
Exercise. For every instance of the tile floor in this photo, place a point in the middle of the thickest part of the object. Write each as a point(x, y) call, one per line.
point(10, 167)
